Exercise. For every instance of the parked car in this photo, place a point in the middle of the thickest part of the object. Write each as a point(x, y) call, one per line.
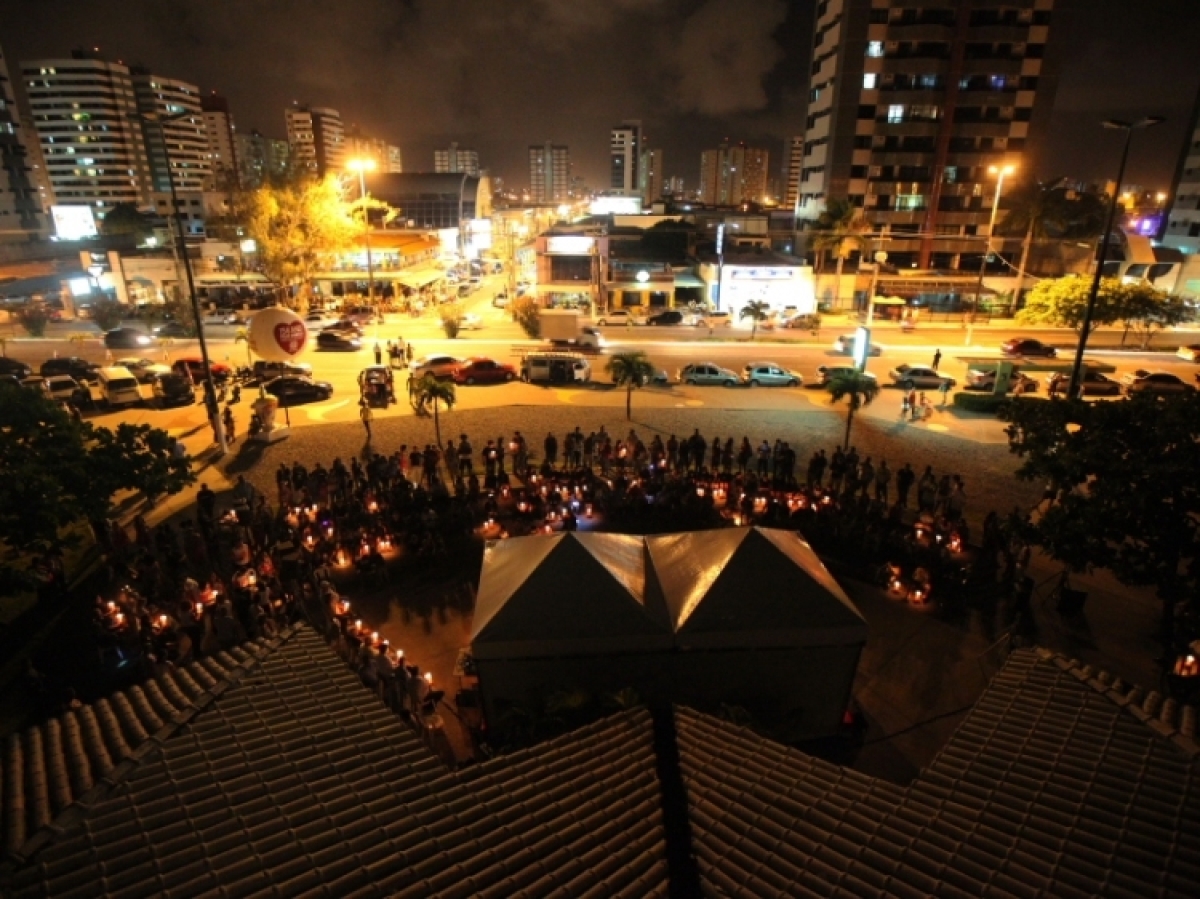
point(714, 319)
point(770, 374)
point(118, 387)
point(1191, 352)
point(173, 389)
point(345, 341)
point(469, 322)
point(920, 377)
point(441, 367)
point(621, 317)
point(1027, 346)
point(127, 339)
point(827, 373)
point(293, 390)
point(845, 346)
point(479, 370)
point(1091, 382)
point(193, 367)
point(145, 370)
point(14, 368)
point(317, 321)
point(501, 300)
point(707, 374)
point(666, 317)
point(265, 371)
point(79, 369)
point(37, 384)
point(61, 387)
point(173, 329)
point(1156, 382)
point(986, 381)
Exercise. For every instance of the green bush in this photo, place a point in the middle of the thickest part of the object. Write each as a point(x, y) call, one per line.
point(450, 314)
point(34, 318)
point(525, 314)
point(107, 314)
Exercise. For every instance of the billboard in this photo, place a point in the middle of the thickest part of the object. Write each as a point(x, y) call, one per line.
point(569, 245)
point(616, 206)
point(73, 222)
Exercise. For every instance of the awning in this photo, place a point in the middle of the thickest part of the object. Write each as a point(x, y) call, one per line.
point(418, 278)
point(580, 287)
point(688, 280)
point(889, 301)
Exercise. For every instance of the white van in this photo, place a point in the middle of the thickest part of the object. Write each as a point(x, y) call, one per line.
point(118, 386)
point(555, 368)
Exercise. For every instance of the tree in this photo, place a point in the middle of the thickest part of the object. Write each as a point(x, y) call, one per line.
point(525, 313)
point(55, 471)
point(178, 308)
point(1062, 303)
point(429, 391)
point(243, 336)
point(859, 388)
point(629, 370)
point(1122, 475)
point(299, 229)
point(107, 314)
point(450, 315)
point(757, 311)
point(125, 219)
point(840, 230)
point(1145, 309)
point(34, 318)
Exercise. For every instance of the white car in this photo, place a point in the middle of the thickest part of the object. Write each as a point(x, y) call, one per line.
point(1191, 352)
point(919, 377)
point(469, 322)
point(621, 317)
point(145, 370)
point(61, 387)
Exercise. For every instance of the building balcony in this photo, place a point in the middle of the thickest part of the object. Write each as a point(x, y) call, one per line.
point(999, 34)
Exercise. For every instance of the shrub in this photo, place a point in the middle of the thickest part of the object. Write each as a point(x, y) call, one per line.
point(33, 318)
point(525, 314)
point(107, 314)
point(450, 315)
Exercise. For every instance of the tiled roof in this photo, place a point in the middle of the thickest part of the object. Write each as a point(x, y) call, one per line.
point(1049, 787)
point(298, 782)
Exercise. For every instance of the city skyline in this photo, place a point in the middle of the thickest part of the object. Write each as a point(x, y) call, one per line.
point(666, 77)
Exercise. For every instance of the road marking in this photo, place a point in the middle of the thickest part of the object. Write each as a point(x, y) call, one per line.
point(318, 412)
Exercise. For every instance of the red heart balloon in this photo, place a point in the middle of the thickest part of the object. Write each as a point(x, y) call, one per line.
point(291, 336)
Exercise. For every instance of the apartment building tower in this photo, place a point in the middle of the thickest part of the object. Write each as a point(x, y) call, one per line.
point(20, 200)
point(260, 158)
point(387, 157)
point(910, 103)
point(456, 159)
point(316, 139)
point(1182, 225)
point(220, 135)
point(180, 141)
point(651, 175)
point(792, 170)
point(549, 172)
point(733, 174)
point(85, 112)
point(626, 146)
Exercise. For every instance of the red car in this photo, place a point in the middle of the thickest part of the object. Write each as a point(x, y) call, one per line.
point(193, 366)
point(478, 370)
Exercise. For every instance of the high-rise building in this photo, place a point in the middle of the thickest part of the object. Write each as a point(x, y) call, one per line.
point(651, 174)
point(86, 115)
point(456, 159)
point(549, 172)
point(791, 175)
point(626, 152)
point(219, 134)
point(20, 201)
point(1182, 226)
point(316, 138)
point(674, 186)
point(180, 141)
point(260, 159)
point(733, 174)
point(386, 156)
point(910, 103)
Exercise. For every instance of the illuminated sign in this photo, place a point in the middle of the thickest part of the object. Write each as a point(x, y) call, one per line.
point(616, 206)
point(862, 346)
point(761, 274)
point(73, 222)
point(569, 245)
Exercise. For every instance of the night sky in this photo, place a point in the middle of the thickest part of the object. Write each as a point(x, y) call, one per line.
point(501, 74)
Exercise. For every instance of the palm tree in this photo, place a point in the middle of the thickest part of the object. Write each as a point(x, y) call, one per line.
point(629, 370)
point(840, 230)
point(243, 336)
point(758, 311)
point(430, 391)
point(861, 389)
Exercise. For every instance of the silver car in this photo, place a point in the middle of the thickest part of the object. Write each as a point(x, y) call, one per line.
point(708, 374)
point(920, 377)
point(770, 374)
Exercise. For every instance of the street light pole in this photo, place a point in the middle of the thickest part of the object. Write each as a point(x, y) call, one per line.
point(1102, 256)
point(362, 166)
point(880, 258)
point(1001, 174)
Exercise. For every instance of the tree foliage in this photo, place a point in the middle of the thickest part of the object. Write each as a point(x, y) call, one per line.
point(630, 370)
point(1146, 310)
point(1062, 303)
point(526, 314)
point(757, 311)
point(125, 219)
point(859, 389)
point(107, 314)
point(429, 392)
point(1053, 211)
point(842, 230)
point(33, 317)
point(55, 471)
point(1122, 477)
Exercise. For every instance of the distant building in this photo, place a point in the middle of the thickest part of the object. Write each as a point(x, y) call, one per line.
point(260, 158)
point(220, 136)
point(20, 200)
point(1183, 220)
point(429, 200)
point(675, 186)
point(733, 174)
point(180, 142)
point(794, 166)
point(316, 139)
point(549, 172)
point(86, 116)
point(456, 159)
point(625, 146)
point(651, 173)
point(386, 156)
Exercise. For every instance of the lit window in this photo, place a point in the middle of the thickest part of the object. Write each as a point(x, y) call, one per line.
point(869, 81)
point(895, 114)
point(875, 48)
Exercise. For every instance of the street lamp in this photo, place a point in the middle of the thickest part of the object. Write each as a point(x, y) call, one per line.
point(1001, 172)
point(362, 166)
point(1102, 256)
point(880, 259)
point(210, 386)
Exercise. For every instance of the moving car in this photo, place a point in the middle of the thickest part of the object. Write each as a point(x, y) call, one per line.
point(986, 381)
point(127, 339)
point(173, 329)
point(292, 390)
point(145, 370)
point(1191, 352)
point(346, 341)
point(264, 371)
point(316, 321)
point(14, 368)
point(770, 374)
point(1156, 382)
point(845, 346)
point(480, 370)
point(61, 387)
point(827, 373)
point(1091, 382)
point(707, 374)
point(79, 369)
point(666, 317)
point(920, 377)
point(469, 322)
point(173, 389)
point(345, 325)
point(1027, 346)
point(440, 366)
point(621, 317)
point(193, 366)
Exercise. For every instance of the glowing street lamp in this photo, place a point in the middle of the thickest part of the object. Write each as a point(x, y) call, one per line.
point(362, 166)
point(1000, 172)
